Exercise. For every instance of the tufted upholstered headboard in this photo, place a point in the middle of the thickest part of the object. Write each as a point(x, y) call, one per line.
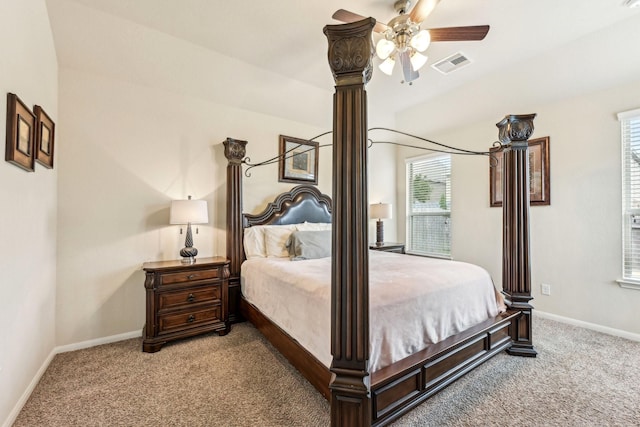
point(302, 203)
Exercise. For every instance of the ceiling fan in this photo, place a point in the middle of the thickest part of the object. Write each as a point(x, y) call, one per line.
point(404, 40)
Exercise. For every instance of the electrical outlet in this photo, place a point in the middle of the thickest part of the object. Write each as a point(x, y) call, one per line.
point(545, 289)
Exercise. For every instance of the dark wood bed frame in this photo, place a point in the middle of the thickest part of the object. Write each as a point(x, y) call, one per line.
point(359, 397)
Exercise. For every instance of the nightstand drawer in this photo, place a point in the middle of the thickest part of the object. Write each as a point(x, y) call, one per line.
point(189, 276)
point(176, 300)
point(180, 321)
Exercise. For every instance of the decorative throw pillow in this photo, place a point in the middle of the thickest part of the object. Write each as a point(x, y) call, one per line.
point(275, 240)
point(309, 244)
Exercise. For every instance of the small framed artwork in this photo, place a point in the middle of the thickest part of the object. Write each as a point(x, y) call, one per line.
point(539, 180)
point(21, 126)
point(45, 137)
point(298, 160)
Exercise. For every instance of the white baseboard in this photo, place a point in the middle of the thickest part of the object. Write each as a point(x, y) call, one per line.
point(62, 349)
point(25, 396)
point(593, 326)
point(98, 341)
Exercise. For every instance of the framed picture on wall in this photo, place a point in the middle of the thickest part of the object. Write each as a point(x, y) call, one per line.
point(45, 137)
point(298, 160)
point(539, 179)
point(21, 125)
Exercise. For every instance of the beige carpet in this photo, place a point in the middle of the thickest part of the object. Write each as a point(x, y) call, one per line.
point(580, 378)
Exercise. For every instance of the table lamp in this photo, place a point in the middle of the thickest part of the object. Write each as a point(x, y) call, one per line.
point(380, 211)
point(188, 212)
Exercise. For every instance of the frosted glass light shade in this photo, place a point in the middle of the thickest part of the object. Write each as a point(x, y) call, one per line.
point(384, 48)
point(418, 60)
point(421, 41)
point(380, 210)
point(189, 211)
point(387, 66)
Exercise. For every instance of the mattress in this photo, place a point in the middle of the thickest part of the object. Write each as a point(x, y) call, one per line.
point(414, 301)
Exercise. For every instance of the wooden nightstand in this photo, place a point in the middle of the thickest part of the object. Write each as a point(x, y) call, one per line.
point(388, 247)
point(185, 300)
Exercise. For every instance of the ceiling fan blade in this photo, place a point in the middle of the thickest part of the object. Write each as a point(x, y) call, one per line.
point(346, 16)
point(407, 69)
point(422, 9)
point(457, 34)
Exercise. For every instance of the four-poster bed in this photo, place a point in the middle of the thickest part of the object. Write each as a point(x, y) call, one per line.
point(358, 396)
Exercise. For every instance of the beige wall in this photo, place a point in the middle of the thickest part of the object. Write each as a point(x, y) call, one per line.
point(149, 131)
point(28, 67)
point(129, 150)
point(576, 241)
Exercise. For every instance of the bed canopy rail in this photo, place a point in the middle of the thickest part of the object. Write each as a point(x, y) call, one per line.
point(441, 148)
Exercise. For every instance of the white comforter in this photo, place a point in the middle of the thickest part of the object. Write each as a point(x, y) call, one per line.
point(414, 301)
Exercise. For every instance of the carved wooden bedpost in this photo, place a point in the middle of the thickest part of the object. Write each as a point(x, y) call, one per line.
point(514, 132)
point(234, 151)
point(350, 51)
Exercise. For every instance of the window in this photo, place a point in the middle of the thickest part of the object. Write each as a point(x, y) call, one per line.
point(630, 130)
point(429, 205)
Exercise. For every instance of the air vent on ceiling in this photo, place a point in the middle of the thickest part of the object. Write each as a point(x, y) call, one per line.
point(452, 63)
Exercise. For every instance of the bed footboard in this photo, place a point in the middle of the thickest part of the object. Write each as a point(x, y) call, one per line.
point(402, 386)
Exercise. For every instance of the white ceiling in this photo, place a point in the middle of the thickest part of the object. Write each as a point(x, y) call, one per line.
point(285, 37)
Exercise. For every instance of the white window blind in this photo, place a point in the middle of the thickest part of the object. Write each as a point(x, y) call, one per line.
point(429, 205)
point(630, 130)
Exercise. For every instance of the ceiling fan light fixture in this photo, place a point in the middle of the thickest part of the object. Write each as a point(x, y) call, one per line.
point(384, 48)
point(418, 60)
point(387, 65)
point(421, 41)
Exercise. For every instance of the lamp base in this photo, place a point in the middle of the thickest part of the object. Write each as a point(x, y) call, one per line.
point(379, 233)
point(188, 255)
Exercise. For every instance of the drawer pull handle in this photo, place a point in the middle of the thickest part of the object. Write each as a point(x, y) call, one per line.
point(191, 276)
point(191, 298)
point(191, 319)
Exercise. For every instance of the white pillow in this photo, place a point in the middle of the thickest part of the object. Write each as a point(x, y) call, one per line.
point(275, 241)
point(313, 226)
point(254, 243)
point(254, 239)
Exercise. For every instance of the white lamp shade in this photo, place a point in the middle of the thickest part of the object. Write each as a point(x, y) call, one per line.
point(384, 48)
point(418, 60)
point(380, 211)
point(189, 211)
point(387, 66)
point(421, 41)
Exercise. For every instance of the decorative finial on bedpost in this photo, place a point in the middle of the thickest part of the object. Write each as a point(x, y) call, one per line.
point(514, 132)
point(350, 51)
point(515, 128)
point(234, 150)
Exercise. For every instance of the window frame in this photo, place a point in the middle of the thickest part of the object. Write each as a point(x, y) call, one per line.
point(410, 214)
point(629, 281)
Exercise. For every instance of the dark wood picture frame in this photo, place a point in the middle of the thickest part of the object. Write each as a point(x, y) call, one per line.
point(45, 137)
point(21, 125)
point(298, 160)
point(539, 179)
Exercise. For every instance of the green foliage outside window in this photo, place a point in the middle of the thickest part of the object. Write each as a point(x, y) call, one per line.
point(421, 189)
